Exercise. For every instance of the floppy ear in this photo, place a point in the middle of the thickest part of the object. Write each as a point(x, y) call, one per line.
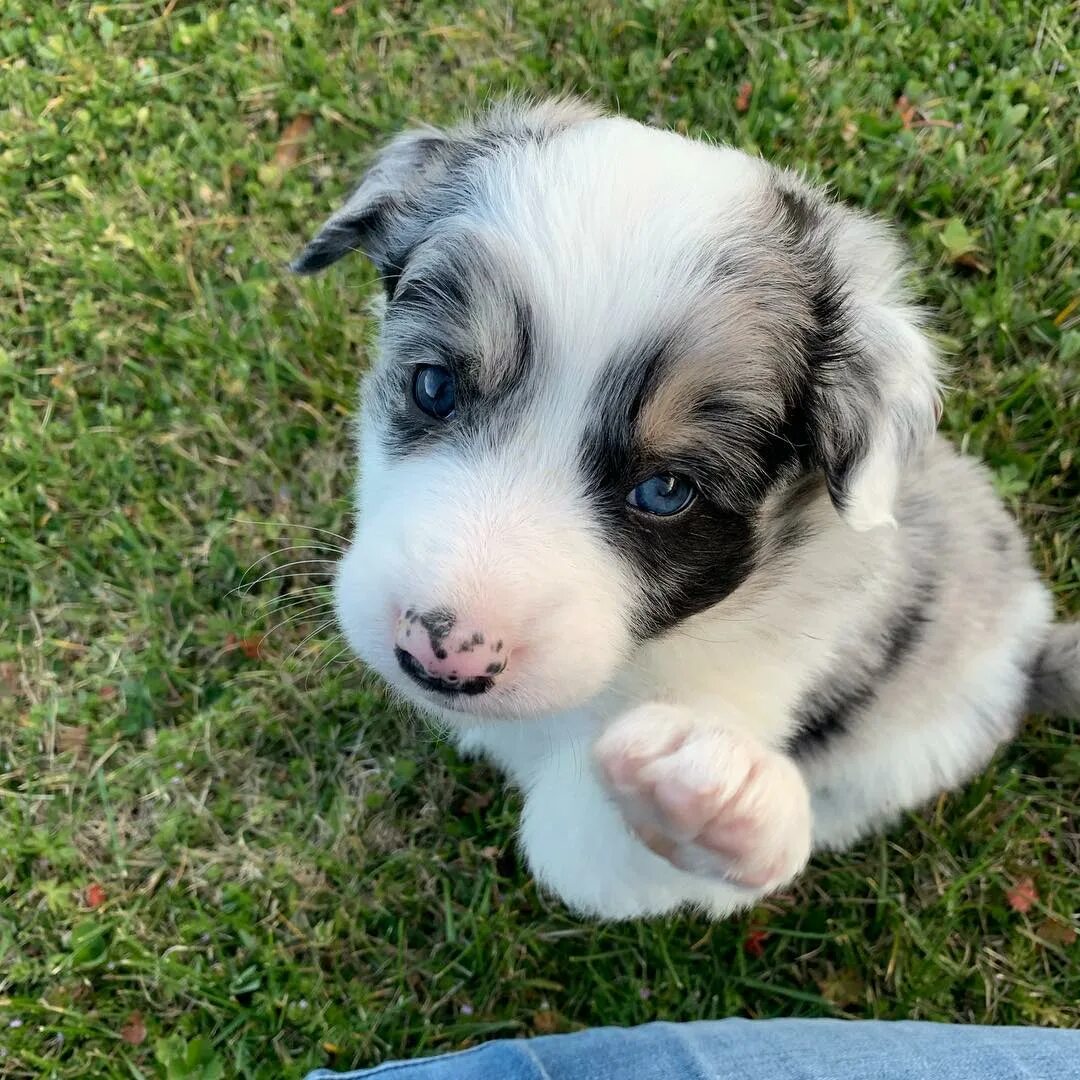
point(877, 397)
point(385, 216)
point(374, 218)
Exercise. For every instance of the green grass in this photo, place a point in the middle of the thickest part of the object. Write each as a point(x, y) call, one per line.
point(293, 873)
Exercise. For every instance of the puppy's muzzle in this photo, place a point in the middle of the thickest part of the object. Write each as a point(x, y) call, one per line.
point(451, 656)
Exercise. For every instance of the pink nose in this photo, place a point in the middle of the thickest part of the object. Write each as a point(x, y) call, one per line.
point(444, 653)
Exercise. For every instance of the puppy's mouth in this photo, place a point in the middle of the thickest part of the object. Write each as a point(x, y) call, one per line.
point(448, 689)
point(500, 703)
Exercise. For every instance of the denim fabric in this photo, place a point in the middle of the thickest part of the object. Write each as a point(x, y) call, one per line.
point(758, 1050)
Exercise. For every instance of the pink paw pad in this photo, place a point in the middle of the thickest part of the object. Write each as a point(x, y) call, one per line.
point(708, 800)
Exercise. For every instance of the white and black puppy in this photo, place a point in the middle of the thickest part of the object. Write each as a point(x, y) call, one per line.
point(652, 512)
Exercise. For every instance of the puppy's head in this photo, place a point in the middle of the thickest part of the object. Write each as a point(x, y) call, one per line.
point(604, 349)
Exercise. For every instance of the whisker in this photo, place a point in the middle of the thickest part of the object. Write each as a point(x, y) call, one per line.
point(277, 571)
point(291, 599)
point(323, 667)
point(309, 544)
point(323, 649)
point(315, 546)
point(300, 616)
point(293, 525)
point(317, 630)
point(295, 576)
point(319, 650)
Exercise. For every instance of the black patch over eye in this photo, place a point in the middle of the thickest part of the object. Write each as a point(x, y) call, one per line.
point(682, 568)
point(662, 495)
point(434, 391)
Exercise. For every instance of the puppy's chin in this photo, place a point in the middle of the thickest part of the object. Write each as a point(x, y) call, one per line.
point(462, 712)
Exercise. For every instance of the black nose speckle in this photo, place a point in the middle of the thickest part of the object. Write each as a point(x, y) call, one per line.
point(437, 623)
point(452, 685)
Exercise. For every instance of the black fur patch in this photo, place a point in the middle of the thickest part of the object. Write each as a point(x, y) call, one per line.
point(908, 628)
point(428, 317)
point(685, 563)
point(827, 715)
point(799, 214)
point(443, 293)
point(335, 241)
point(827, 712)
point(836, 388)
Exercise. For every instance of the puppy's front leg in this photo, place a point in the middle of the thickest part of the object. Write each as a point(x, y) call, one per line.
point(711, 800)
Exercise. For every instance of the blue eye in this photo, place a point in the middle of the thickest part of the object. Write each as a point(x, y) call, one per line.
point(662, 495)
point(433, 391)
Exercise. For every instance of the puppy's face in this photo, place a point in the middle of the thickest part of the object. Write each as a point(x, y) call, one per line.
point(604, 351)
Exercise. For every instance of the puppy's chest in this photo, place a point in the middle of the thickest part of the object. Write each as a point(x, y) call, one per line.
point(749, 684)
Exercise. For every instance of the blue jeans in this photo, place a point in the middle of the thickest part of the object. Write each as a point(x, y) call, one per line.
point(759, 1050)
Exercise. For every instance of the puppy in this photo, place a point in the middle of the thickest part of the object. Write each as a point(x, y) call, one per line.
point(652, 513)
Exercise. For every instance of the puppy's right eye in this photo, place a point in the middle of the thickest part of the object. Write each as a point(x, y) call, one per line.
point(662, 495)
point(433, 391)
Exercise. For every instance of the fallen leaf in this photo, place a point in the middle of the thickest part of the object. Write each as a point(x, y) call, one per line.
point(94, 895)
point(134, 1030)
point(250, 646)
point(754, 942)
point(291, 142)
point(331, 1048)
point(907, 111)
point(490, 852)
point(1022, 895)
point(1056, 933)
point(107, 693)
point(971, 262)
point(62, 377)
point(843, 988)
point(545, 1021)
point(911, 117)
point(742, 101)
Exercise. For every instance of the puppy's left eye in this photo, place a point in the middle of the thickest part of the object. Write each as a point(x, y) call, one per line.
point(662, 495)
point(433, 391)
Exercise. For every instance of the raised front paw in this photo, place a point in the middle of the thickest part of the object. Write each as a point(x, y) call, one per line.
point(710, 801)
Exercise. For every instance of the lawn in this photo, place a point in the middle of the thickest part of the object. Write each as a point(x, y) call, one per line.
point(222, 853)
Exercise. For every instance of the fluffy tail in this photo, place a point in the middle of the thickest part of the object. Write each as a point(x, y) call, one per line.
point(1055, 675)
